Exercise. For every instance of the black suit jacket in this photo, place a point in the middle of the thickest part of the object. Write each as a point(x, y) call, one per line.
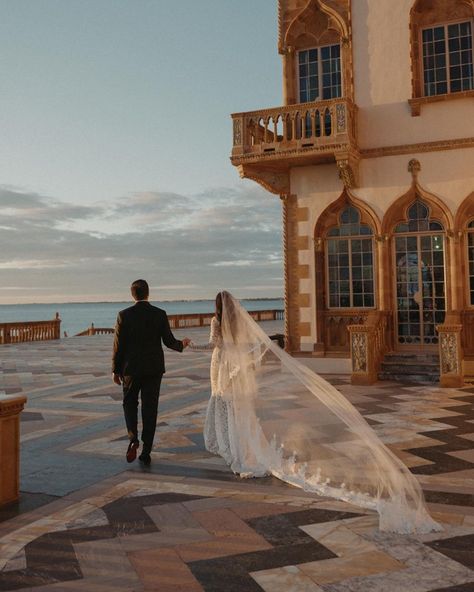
point(137, 344)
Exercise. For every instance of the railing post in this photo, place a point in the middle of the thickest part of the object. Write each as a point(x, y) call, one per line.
point(364, 354)
point(450, 355)
point(10, 409)
point(240, 135)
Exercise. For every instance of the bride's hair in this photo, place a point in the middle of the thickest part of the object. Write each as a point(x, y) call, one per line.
point(219, 307)
point(225, 300)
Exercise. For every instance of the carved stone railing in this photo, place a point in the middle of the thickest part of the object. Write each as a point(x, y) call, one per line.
point(369, 343)
point(336, 338)
point(93, 330)
point(30, 331)
point(300, 132)
point(451, 354)
point(10, 409)
point(194, 320)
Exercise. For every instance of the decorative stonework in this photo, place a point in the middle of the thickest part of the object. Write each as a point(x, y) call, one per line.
point(436, 146)
point(450, 355)
point(414, 167)
point(341, 118)
point(359, 352)
point(275, 182)
point(309, 23)
point(290, 250)
point(237, 132)
point(346, 174)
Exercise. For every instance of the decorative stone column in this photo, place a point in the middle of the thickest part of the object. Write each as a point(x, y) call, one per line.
point(10, 409)
point(364, 369)
point(450, 355)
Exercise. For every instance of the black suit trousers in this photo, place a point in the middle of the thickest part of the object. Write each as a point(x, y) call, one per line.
point(149, 389)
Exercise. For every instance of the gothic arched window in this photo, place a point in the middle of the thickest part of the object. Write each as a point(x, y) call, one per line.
point(350, 262)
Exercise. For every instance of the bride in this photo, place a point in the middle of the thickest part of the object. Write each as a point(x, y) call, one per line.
point(270, 414)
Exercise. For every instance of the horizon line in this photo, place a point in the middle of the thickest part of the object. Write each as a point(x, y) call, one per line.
point(127, 301)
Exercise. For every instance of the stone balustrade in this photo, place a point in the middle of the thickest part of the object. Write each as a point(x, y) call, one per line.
point(21, 332)
point(184, 321)
point(10, 409)
point(326, 126)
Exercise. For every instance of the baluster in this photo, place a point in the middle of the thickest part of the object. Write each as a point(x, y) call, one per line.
point(327, 122)
point(317, 117)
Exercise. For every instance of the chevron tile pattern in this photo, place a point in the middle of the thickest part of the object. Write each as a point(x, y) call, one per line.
point(88, 521)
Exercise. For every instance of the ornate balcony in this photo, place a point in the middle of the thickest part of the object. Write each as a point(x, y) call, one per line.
point(269, 142)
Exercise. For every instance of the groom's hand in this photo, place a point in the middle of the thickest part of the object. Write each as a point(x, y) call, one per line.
point(186, 342)
point(117, 379)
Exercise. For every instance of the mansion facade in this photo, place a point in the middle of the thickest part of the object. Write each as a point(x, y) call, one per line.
point(372, 155)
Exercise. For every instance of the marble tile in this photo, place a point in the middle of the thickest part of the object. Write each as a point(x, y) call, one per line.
point(351, 566)
point(285, 579)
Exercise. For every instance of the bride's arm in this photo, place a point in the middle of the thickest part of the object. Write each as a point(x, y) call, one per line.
point(214, 338)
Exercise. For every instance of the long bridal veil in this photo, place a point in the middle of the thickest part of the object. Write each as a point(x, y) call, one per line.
point(289, 422)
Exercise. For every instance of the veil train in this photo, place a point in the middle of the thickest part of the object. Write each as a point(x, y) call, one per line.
point(289, 422)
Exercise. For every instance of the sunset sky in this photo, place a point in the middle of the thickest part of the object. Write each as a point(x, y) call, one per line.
point(116, 136)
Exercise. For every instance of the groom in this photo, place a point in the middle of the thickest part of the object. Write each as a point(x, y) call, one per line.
point(138, 365)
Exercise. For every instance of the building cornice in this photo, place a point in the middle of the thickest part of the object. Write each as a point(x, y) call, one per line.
point(435, 146)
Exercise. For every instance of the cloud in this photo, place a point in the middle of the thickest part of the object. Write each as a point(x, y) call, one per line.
point(186, 246)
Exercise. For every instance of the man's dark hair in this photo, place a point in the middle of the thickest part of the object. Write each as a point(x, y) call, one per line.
point(140, 290)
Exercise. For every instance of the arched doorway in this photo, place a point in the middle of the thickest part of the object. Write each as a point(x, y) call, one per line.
point(420, 278)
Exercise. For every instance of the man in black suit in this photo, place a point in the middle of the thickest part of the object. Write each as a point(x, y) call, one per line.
point(138, 365)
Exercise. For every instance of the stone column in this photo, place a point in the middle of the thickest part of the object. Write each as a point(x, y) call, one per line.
point(10, 409)
point(290, 252)
point(289, 82)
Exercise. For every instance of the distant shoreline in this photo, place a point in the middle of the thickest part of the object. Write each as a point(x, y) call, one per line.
point(249, 298)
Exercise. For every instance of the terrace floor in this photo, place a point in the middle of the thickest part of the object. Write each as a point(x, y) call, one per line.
point(88, 521)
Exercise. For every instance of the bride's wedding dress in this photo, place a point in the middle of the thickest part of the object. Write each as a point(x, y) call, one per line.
point(270, 414)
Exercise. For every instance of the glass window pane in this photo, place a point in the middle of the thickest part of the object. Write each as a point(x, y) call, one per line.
point(352, 259)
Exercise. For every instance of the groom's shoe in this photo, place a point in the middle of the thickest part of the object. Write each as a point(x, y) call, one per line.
point(145, 458)
point(132, 451)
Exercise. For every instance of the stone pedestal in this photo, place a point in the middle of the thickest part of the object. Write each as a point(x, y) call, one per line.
point(450, 355)
point(10, 409)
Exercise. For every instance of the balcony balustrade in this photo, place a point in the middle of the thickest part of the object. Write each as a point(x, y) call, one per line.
point(272, 140)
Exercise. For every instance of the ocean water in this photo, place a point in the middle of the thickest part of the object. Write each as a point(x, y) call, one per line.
point(77, 317)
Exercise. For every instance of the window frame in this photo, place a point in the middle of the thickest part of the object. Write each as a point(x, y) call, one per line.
point(421, 67)
point(349, 238)
point(469, 231)
point(320, 72)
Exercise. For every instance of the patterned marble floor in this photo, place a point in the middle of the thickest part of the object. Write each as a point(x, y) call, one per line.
point(88, 521)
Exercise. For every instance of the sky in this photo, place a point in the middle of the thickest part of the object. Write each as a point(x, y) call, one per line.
point(116, 136)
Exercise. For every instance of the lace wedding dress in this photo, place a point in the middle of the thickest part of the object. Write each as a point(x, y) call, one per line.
point(270, 414)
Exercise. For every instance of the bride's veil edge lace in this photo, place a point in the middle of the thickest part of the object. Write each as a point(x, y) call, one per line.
point(326, 447)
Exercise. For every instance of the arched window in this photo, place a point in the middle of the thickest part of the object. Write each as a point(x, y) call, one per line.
point(418, 219)
point(442, 47)
point(350, 262)
point(420, 276)
point(470, 258)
